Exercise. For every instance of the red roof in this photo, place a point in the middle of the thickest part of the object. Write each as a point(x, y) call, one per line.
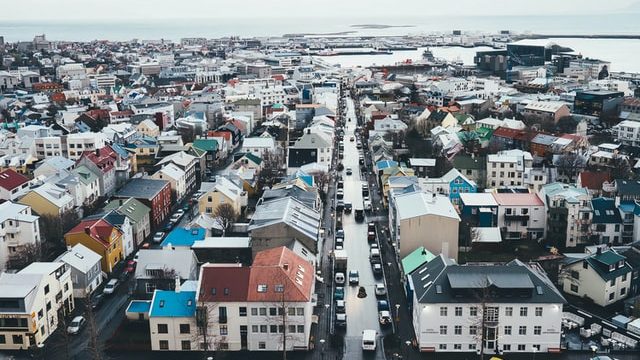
point(513, 133)
point(122, 113)
point(10, 179)
point(99, 230)
point(104, 158)
point(233, 277)
point(278, 77)
point(518, 199)
point(594, 180)
point(239, 124)
point(223, 134)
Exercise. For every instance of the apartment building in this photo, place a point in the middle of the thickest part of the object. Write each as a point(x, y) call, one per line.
point(521, 216)
point(627, 132)
point(78, 143)
point(569, 214)
point(507, 168)
point(32, 302)
point(18, 228)
point(515, 306)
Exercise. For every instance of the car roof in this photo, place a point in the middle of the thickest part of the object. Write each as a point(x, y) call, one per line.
point(379, 285)
point(112, 281)
point(77, 318)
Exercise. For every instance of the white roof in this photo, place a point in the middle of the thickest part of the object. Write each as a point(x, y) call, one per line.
point(180, 158)
point(183, 261)
point(258, 142)
point(222, 242)
point(20, 286)
point(478, 199)
point(80, 258)
point(172, 171)
point(54, 194)
point(487, 235)
point(422, 162)
point(416, 204)
point(10, 210)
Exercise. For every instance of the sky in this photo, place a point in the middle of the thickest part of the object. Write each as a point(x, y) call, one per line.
point(109, 10)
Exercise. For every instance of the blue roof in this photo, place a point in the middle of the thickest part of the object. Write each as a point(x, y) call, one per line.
point(120, 151)
point(173, 304)
point(184, 237)
point(605, 211)
point(139, 306)
point(627, 206)
point(383, 164)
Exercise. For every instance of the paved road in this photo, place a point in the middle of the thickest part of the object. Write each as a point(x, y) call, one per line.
point(361, 312)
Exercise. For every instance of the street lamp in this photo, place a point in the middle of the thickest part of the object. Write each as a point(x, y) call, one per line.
point(327, 306)
point(397, 317)
point(535, 350)
point(408, 351)
point(322, 347)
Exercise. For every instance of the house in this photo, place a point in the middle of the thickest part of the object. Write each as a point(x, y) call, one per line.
point(452, 184)
point(148, 128)
point(172, 320)
point(48, 199)
point(86, 272)
point(102, 161)
point(176, 178)
point(34, 301)
point(181, 237)
point(507, 168)
point(546, 110)
point(603, 277)
point(284, 222)
point(121, 223)
point(389, 124)
point(79, 143)
point(386, 174)
point(569, 214)
point(451, 307)
point(187, 163)
point(19, 228)
point(479, 210)
point(606, 223)
point(164, 269)
point(521, 216)
point(422, 167)
point(155, 194)
point(101, 237)
point(627, 132)
point(472, 167)
point(52, 165)
point(89, 185)
point(593, 181)
point(252, 307)
point(424, 219)
point(221, 191)
point(226, 250)
point(210, 148)
point(311, 147)
point(258, 146)
point(138, 214)
point(12, 185)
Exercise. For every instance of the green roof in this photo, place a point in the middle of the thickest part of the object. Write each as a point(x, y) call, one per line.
point(85, 174)
point(467, 162)
point(484, 133)
point(609, 257)
point(206, 144)
point(196, 152)
point(416, 259)
point(254, 158)
point(131, 208)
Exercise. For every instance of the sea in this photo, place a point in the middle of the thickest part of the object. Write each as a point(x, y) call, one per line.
point(623, 54)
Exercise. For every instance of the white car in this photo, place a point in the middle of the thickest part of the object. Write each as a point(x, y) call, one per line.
point(340, 278)
point(76, 325)
point(157, 237)
point(384, 317)
point(381, 290)
point(111, 286)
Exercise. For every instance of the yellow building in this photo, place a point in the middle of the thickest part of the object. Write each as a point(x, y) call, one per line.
point(48, 199)
point(101, 237)
point(388, 173)
point(222, 191)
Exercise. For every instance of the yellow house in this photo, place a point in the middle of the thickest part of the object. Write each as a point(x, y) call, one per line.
point(389, 172)
point(221, 191)
point(48, 199)
point(101, 237)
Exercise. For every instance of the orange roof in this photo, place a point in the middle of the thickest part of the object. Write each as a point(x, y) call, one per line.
point(594, 180)
point(99, 230)
point(280, 266)
point(518, 199)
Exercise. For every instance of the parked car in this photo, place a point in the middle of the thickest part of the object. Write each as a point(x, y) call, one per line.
point(340, 234)
point(381, 290)
point(175, 218)
point(371, 236)
point(340, 193)
point(339, 293)
point(384, 317)
point(377, 269)
point(76, 325)
point(373, 245)
point(340, 306)
point(347, 207)
point(157, 237)
point(131, 267)
point(339, 245)
point(341, 320)
point(340, 206)
point(96, 301)
point(111, 287)
point(354, 277)
point(352, 139)
point(340, 278)
point(340, 184)
point(371, 226)
point(383, 305)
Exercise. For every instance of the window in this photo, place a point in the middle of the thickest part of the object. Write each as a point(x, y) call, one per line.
point(164, 344)
point(163, 329)
point(291, 311)
point(458, 311)
point(273, 311)
point(300, 311)
point(254, 329)
point(273, 329)
point(300, 329)
point(575, 275)
point(263, 311)
point(46, 289)
point(508, 311)
point(521, 347)
point(473, 330)
point(279, 288)
point(506, 347)
point(243, 310)
point(507, 330)
point(443, 329)
point(522, 330)
point(224, 346)
point(291, 329)
point(457, 346)
point(537, 330)
point(624, 277)
point(443, 311)
point(66, 287)
point(222, 314)
point(623, 291)
point(3, 339)
point(523, 311)
point(472, 346)
point(185, 329)
point(254, 311)
point(457, 330)
point(574, 288)
point(538, 310)
point(611, 296)
point(262, 288)
point(186, 344)
point(263, 328)
point(473, 311)
point(224, 330)
point(226, 291)
point(443, 346)
point(262, 345)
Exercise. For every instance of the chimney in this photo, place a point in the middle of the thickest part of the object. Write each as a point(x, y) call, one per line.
point(97, 152)
point(177, 284)
point(87, 230)
point(285, 266)
point(599, 250)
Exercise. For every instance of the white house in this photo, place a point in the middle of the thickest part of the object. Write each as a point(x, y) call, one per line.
point(33, 299)
point(258, 145)
point(19, 228)
point(516, 303)
point(86, 271)
point(521, 215)
point(569, 214)
point(176, 177)
point(78, 143)
point(172, 320)
point(507, 168)
point(603, 277)
point(389, 124)
point(627, 132)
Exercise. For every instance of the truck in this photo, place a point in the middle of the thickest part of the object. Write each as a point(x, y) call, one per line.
point(340, 259)
point(369, 340)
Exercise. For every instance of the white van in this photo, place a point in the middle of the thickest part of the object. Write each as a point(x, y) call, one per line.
point(369, 340)
point(340, 278)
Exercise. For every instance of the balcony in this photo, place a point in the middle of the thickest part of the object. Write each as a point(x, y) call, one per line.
point(516, 217)
point(12, 229)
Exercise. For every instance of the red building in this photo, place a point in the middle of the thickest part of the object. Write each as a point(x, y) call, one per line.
point(156, 194)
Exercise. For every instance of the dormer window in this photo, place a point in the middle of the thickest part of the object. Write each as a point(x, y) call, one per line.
point(612, 267)
point(620, 263)
point(262, 288)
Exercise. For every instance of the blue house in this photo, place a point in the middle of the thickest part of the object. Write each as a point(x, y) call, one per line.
point(451, 184)
point(183, 237)
point(478, 209)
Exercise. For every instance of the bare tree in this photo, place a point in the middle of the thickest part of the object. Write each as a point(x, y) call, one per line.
point(272, 170)
point(209, 341)
point(95, 346)
point(24, 255)
point(570, 165)
point(225, 216)
point(485, 320)
point(322, 181)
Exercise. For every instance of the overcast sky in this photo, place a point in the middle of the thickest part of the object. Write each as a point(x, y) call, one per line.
point(355, 9)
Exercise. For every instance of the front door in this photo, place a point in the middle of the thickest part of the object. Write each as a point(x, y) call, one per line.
point(243, 337)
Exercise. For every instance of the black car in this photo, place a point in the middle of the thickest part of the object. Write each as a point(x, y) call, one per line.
point(96, 301)
point(340, 206)
point(347, 207)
